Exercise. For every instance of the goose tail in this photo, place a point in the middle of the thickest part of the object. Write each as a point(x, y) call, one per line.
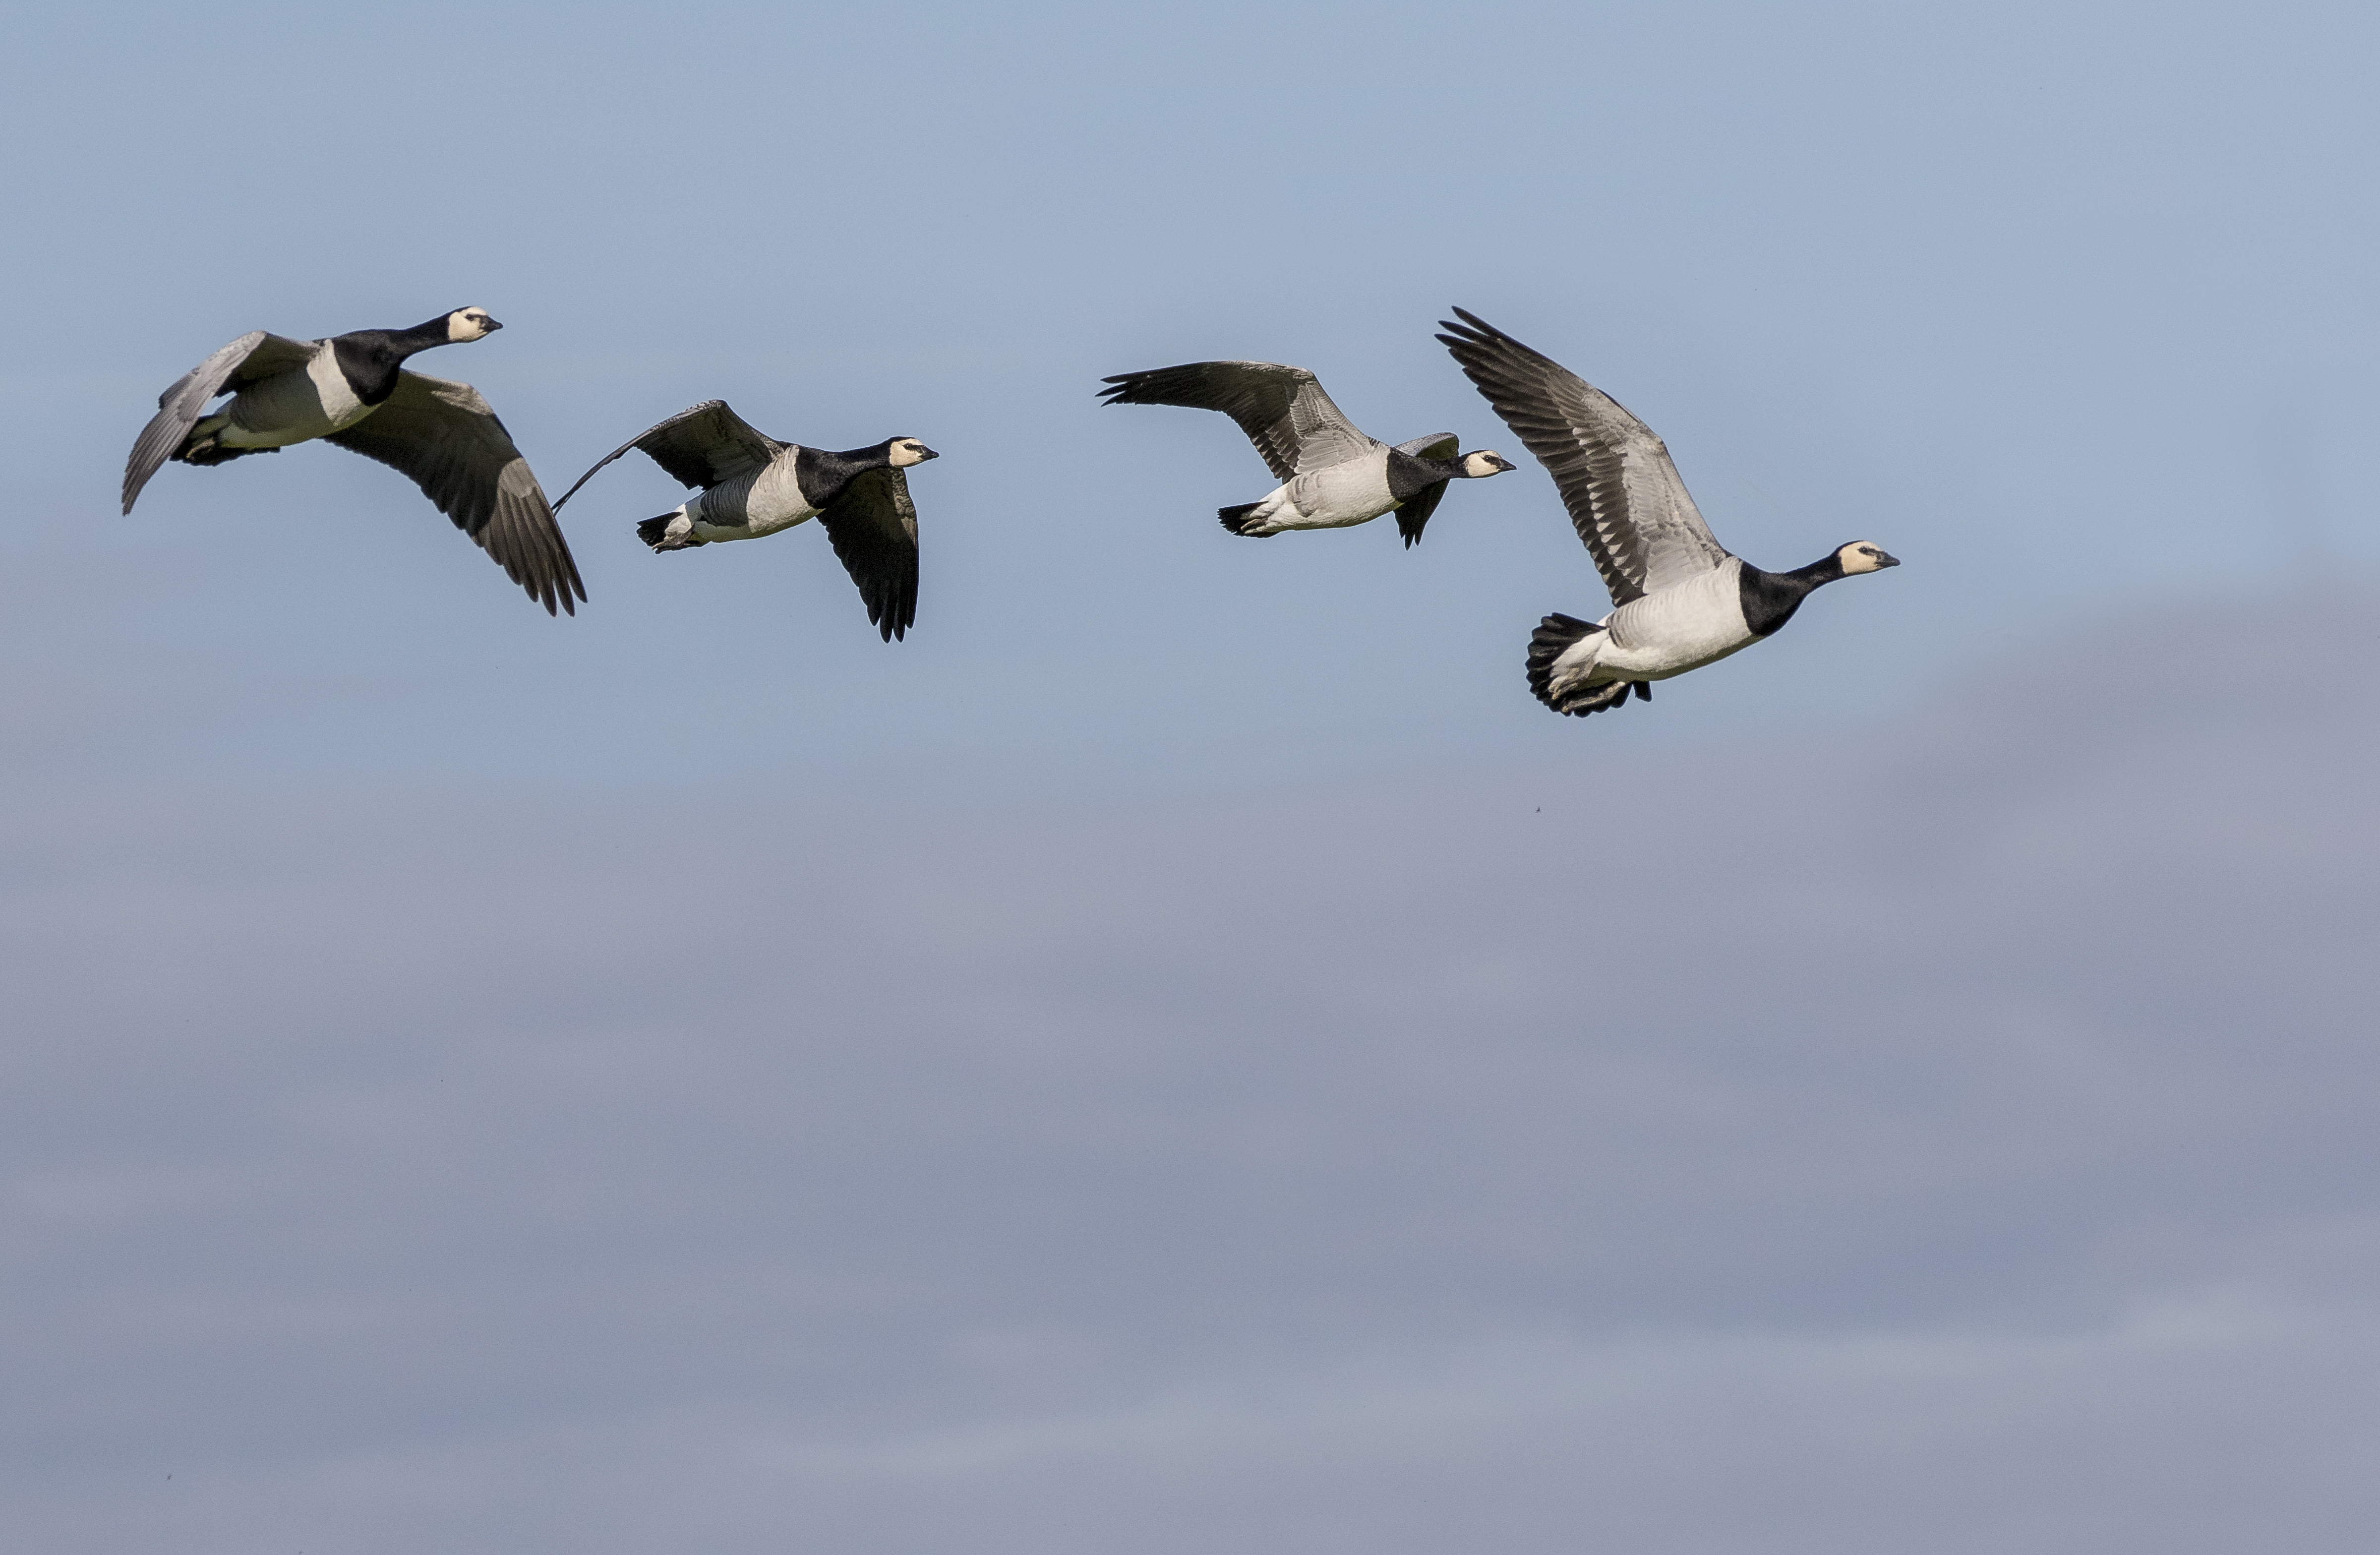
point(655, 532)
point(1555, 636)
point(1236, 519)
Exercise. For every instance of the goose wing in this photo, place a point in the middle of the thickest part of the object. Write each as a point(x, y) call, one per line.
point(1624, 494)
point(1437, 445)
point(1283, 409)
point(874, 527)
point(258, 354)
point(442, 437)
point(1414, 511)
point(701, 445)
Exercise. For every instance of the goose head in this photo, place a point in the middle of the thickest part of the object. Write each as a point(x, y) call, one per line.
point(1861, 555)
point(903, 452)
point(1481, 464)
point(469, 323)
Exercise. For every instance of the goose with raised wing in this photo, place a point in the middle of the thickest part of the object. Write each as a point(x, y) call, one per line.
point(353, 390)
point(1332, 475)
point(1679, 600)
point(751, 485)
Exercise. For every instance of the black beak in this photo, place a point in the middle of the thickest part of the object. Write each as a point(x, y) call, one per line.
point(493, 326)
point(925, 453)
point(1885, 559)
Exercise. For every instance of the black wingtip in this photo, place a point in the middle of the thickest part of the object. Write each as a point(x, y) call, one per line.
point(557, 600)
point(1473, 331)
point(891, 615)
point(560, 591)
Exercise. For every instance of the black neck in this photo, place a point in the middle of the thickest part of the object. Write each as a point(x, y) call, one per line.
point(421, 336)
point(1770, 599)
point(1409, 473)
point(369, 359)
point(822, 474)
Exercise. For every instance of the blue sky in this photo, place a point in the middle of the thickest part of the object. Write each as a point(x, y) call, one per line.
point(1183, 1048)
point(2065, 307)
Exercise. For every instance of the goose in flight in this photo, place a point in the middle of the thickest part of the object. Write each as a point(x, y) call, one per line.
point(753, 485)
point(1331, 474)
point(1679, 600)
point(353, 390)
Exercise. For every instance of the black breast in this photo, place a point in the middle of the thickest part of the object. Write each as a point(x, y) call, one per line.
point(821, 474)
point(1770, 599)
point(1408, 475)
point(368, 362)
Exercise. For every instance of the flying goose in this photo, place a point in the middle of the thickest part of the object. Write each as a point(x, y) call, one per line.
point(353, 390)
point(1332, 475)
point(1681, 600)
point(753, 485)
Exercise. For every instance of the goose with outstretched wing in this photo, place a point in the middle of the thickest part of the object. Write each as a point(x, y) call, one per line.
point(353, 390)
point(1332, 475)
point(750, 485)
point(1679, 600)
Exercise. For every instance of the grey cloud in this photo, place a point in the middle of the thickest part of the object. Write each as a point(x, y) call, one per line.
point(1956, 1135)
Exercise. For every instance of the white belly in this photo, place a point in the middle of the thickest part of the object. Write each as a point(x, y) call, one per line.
point(1347, 494)
point(1683, 627)
point(292, 407)
point(752, 505)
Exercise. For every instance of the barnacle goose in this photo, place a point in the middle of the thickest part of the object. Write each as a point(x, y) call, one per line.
point(353, 390)
point(1332, 475)
point(1679, 600)
point(753, 485)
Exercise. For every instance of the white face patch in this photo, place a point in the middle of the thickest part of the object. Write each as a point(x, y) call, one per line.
point(1862, 556)
point(908, 450)
point(1485, 462)
point(468, 323)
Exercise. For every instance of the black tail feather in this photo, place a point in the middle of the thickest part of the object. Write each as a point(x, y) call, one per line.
point(1549, 642)
point(655, 533)
point(1553, 638)
point(1235, 518)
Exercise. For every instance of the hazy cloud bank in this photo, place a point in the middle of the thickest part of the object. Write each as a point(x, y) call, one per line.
point(1957, 1135)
